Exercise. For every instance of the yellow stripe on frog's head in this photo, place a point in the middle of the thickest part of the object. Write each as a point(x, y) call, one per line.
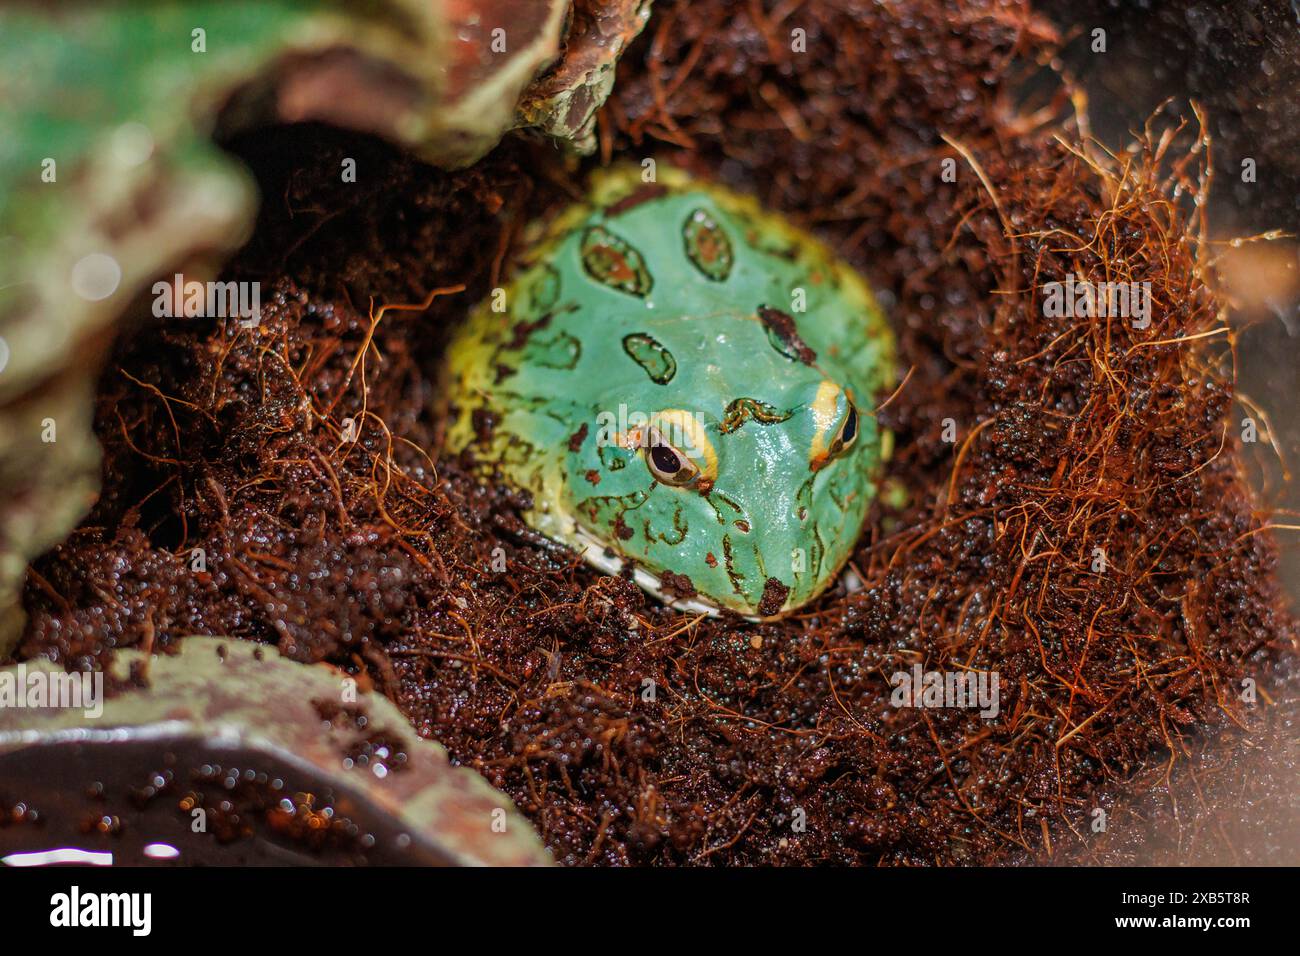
point(685, 431)
point(827, 414)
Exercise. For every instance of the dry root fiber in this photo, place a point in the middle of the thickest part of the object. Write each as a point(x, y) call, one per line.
point(760, 744)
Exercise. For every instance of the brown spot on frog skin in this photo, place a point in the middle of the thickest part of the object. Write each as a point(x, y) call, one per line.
point(710, 560)
point(523, 330)
point(783, 332)
point(592, 476)
point(623, 529)
point(612, 261)
point(577, 438)
point(729, 557)
point(744, 409)
point(646, 193)
point(707, 245)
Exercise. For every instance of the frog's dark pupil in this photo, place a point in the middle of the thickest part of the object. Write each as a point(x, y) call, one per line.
point(665, 460)
point(850, 426)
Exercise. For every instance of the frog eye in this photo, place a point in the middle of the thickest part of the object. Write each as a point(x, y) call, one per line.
point(667, 464)
point(847, 433)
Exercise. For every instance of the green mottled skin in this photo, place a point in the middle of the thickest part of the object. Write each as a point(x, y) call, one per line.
point(610, 307)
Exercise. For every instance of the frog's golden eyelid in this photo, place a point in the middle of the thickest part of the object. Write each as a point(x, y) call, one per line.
point(826, 421)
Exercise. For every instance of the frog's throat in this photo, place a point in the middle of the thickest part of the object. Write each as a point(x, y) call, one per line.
point(600, 557)
point(551, 517)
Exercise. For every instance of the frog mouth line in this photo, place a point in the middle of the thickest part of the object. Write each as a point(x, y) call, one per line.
point(598, 555)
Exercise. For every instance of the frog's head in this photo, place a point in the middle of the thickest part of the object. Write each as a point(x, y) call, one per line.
point(744, 477)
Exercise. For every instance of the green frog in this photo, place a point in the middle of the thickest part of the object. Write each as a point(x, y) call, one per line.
point(685, 384)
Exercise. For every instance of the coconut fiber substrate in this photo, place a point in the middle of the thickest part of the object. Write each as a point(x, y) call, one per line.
point(1081, 526)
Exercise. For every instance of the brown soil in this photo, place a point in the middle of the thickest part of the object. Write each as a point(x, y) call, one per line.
point(1072, 435)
